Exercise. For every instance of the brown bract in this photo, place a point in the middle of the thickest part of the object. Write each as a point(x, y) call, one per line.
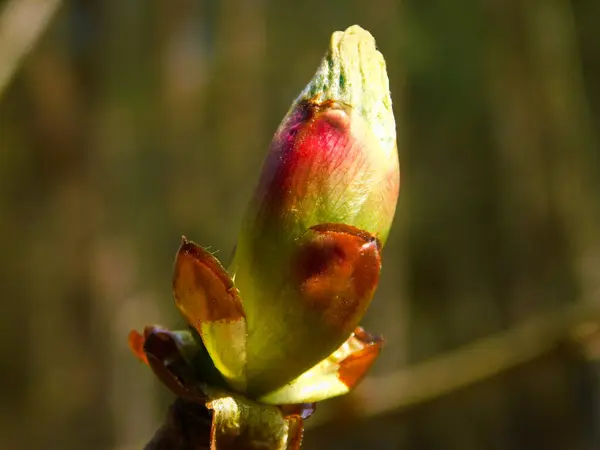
point(158, 349)
point(202, 287)
point(136, 344)
point(337, 270)
point(355, 366)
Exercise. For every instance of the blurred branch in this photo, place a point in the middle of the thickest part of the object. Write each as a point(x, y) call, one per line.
point(21, 24)
point(471, 364)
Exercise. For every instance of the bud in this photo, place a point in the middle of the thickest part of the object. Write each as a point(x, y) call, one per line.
point(308, 255)
point(277, 331)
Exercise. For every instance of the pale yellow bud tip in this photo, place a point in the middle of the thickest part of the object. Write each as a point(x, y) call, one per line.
point(353, 72)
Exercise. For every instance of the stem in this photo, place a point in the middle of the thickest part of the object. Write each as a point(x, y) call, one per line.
point(186, 427)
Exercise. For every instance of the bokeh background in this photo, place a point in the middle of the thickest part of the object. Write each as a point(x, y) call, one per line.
point(125, 124)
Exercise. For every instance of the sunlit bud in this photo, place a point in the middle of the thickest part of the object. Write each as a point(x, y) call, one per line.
point(308, 256)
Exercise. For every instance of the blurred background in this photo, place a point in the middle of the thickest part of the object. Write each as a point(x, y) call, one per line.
point(125, 124)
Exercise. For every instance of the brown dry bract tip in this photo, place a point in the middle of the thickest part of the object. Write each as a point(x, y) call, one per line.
point(354, 367)
point(202, 287)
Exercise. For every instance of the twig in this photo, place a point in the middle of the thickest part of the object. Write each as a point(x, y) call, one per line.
point(186, 427)
point(21, 24)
